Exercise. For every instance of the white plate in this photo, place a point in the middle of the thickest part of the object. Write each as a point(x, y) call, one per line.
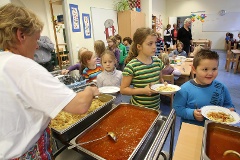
point(206, 109)
point(109, 89)
point(156, 86)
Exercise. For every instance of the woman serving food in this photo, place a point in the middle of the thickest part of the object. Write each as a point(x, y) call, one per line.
point(30, 95)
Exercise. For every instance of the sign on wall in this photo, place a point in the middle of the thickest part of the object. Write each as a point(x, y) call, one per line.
point(86, 25)
point(75, 18)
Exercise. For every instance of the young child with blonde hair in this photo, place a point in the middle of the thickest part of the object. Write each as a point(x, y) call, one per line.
point(99, 48)
point(112, 46)
point(110, 76)
point(168, 69)
point(142, 70)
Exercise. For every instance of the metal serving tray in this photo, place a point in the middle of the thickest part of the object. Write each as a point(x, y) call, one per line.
point(227, 136)
point(73, 130)
point(140, 149)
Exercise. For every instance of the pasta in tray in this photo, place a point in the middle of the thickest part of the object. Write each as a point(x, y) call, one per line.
point(64, 119)
point(220, 117)
point(165, 89)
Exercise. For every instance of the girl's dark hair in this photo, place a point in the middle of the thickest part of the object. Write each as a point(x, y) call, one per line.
point(204, 54)
point(118, 37)
point(138, 38)
point(85, 56)
point(128, 39)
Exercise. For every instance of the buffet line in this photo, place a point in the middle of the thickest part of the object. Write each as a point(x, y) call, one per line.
point(124, 131)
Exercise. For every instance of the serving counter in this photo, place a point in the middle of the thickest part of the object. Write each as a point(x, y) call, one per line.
point(151, 148)
point(189, 144)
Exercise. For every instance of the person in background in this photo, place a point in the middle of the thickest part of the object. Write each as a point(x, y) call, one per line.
point(112, 46)
point(174, 33)
point(142, 70)
point(168, 69)
point(159, 45)
point(178, 51)
point(123, 51)
point(89, 69)
point(238, 41)
point(185, 35)
point(110, 76)
point(203, 90)
point(43, 55)
point(127, 41)
point(167, 36)
point(30, 95)
point(76, 66)
point(99, 48)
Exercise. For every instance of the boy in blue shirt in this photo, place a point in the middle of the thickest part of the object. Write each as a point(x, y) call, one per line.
point(201, 91)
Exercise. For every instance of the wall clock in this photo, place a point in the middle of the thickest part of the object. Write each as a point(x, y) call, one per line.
point(222, 12)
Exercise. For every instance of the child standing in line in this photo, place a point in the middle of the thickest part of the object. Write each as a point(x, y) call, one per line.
point(76, 66)
point(142, 69)
point(123, 51)
point(112, 46)
point(201, 91)
point(168, 69)
point(179, 51)
point(159, 45)
point(89, 68)
point(127, 41)
point(99, 48)
point(110, 76)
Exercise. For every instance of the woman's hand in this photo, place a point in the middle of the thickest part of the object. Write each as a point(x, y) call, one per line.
point(232, 109)
point(65, 71)
point(198, 115)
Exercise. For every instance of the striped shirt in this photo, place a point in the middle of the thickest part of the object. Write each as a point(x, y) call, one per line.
point(142, 75)
point(91, 74)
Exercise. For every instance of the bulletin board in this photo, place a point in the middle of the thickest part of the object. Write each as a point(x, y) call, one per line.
point(226, 23)
point(101, 27)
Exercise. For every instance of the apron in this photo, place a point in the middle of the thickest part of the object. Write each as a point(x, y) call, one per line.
point(42, 150)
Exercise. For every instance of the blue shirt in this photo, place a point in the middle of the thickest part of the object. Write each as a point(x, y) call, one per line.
point(192, 95)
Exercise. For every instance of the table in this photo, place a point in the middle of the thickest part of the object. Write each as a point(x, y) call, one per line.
point(189, 142)
point(186, 72)
point(236, 52)
point(203, 42)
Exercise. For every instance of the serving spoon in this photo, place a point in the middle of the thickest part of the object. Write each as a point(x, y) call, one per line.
point(231, 152)
point(110, 134)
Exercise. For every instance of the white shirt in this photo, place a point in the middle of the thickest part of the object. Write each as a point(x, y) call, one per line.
point(30, 97)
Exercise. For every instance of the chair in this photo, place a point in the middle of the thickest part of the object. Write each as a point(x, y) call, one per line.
point(229, 59)
point(170, 80)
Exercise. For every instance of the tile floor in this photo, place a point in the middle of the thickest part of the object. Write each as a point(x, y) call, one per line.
point(230, 79)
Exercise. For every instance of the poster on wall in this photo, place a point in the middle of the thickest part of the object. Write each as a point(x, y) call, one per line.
point(75, 18)
point(86, 25)
point(104, 23)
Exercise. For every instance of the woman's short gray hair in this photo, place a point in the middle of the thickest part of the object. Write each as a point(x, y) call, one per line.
point(187, 20)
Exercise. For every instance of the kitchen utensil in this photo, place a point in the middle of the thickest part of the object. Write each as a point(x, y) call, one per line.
point(104, 97)
point(110, 134)
point(231, 152)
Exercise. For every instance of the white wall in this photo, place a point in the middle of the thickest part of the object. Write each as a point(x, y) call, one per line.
point(179, 8)
point(3, 2)
point(159, 9)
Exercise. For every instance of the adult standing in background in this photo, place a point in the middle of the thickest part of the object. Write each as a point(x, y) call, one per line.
point(167, 36)
point(43, 54)
point(174, 33)
point(185, 35)
point(30, 95)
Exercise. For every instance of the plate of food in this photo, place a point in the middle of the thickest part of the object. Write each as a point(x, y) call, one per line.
point(188, 59)
point(109, 89)
point(165, 89)
point(220, 114)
